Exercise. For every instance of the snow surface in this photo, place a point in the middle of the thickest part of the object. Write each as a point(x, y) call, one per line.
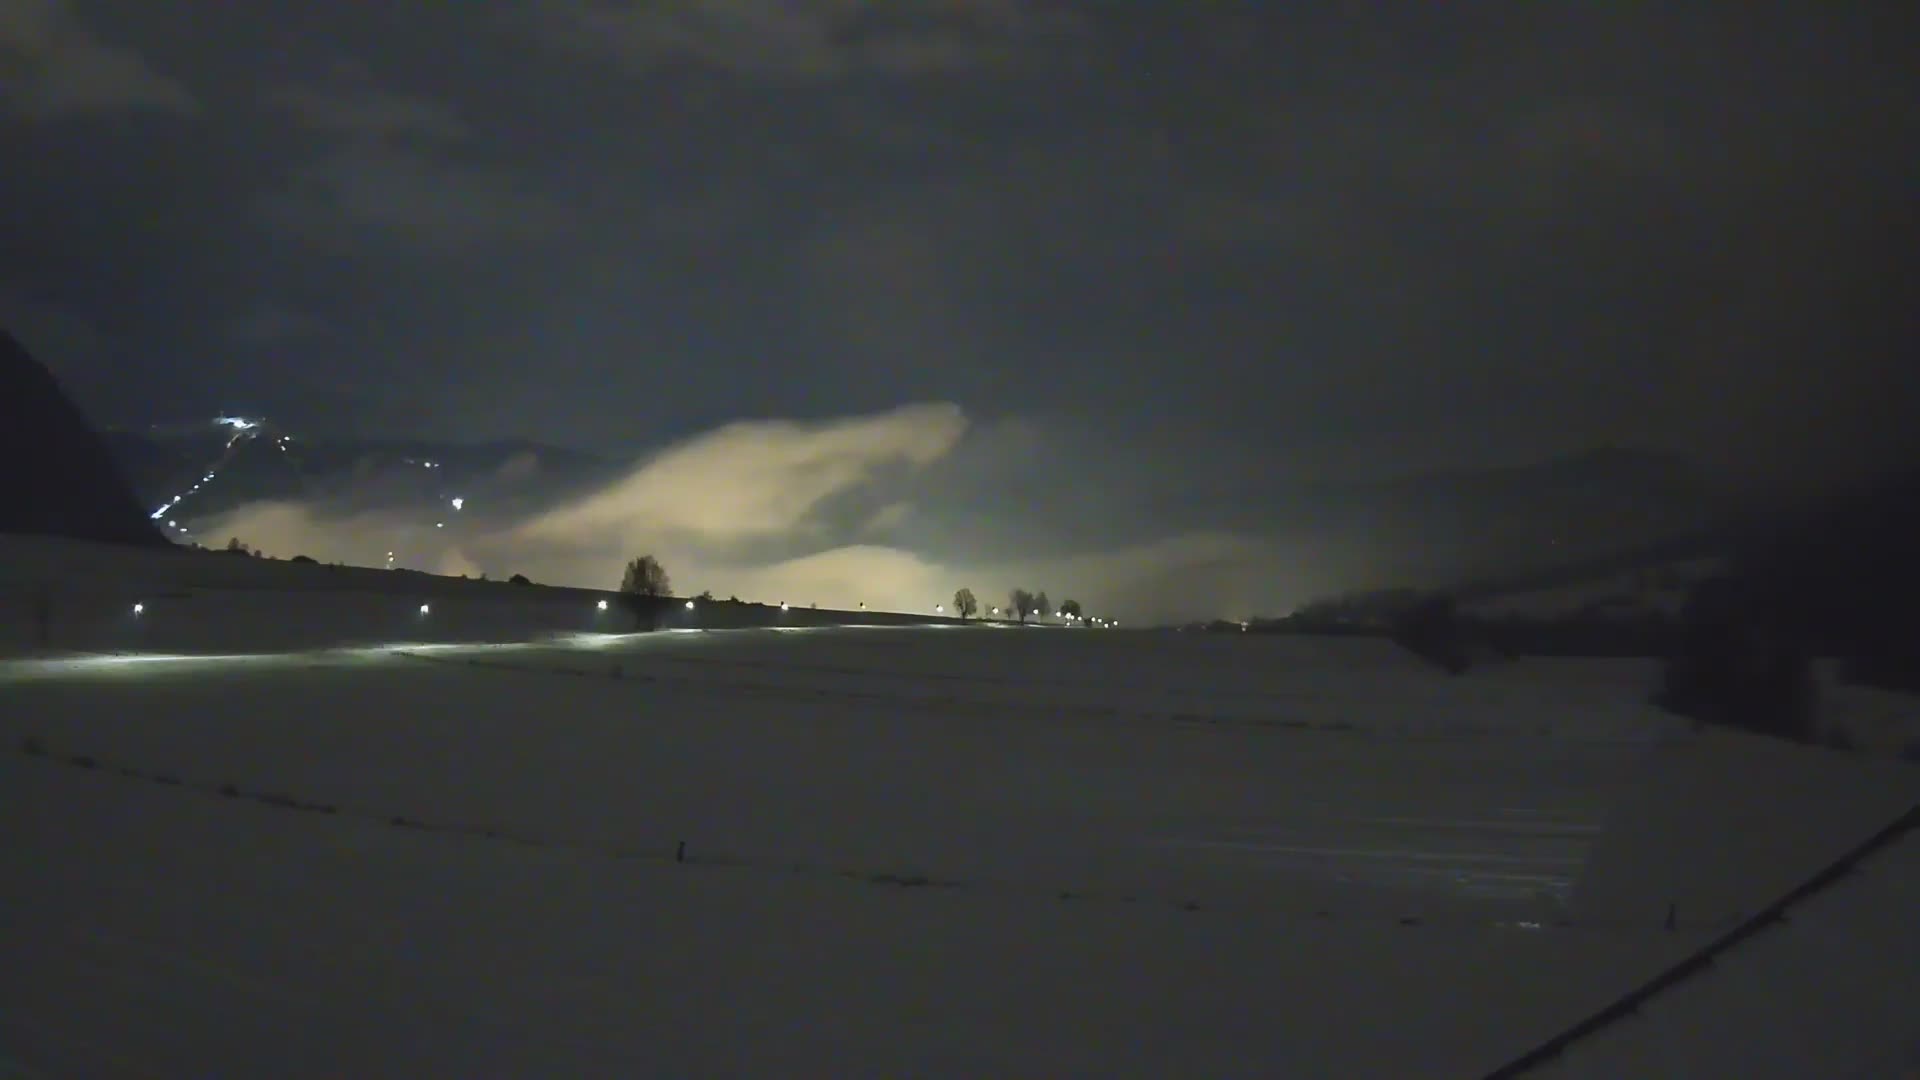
point(100, 598)
point(925, 851)
point(1828, 992)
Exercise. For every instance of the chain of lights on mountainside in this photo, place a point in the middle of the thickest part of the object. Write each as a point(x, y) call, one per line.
point(246, 430)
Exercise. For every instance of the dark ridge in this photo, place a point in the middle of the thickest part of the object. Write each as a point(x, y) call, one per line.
point(59, 479)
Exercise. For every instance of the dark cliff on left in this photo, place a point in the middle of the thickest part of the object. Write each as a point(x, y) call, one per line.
point(59, 478)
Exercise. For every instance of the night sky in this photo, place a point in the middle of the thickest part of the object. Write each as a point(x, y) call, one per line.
point(1119, 264)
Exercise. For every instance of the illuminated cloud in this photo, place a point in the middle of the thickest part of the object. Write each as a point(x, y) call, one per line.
point(889, 518)
point(883, 578)
point(742, 497)
point(810, 513)
point(750, 480)
point(455, 563)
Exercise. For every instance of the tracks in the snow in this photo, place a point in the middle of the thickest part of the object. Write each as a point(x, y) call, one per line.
point(690, 853)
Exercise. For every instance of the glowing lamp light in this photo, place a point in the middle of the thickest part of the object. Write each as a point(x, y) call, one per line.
point(689, 605)
point(602, 605)
point(938, 608)
point(459, 503)
point(426, 608)
point(783, 605)
point(139, 609)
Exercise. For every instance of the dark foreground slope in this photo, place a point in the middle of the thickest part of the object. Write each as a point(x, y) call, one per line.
point(56, 476)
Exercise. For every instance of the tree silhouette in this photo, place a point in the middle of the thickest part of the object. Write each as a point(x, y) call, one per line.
point(1070, 608)
point(1040, 604)
point(646, 577)
point(965, 604)
point(1021, 601)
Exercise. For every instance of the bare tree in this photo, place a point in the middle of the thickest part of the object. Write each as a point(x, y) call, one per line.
point(1040, 605)
point(965, 604)
point(646, 577)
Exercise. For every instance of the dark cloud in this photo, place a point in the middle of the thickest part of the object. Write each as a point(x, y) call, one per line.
point(351, 105)
point(52, 65)
point(1185, 258)
point(811, 40)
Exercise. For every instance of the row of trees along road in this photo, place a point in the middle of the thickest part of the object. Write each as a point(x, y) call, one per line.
point(1020, 602)
point(646, 577)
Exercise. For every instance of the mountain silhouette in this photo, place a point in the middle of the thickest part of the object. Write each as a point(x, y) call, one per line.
point(59, 478)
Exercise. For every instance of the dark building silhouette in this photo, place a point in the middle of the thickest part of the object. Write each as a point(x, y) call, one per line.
point(57, 477)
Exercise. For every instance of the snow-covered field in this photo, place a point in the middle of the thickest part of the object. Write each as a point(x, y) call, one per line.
point(95, 597)
point(917, 851)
